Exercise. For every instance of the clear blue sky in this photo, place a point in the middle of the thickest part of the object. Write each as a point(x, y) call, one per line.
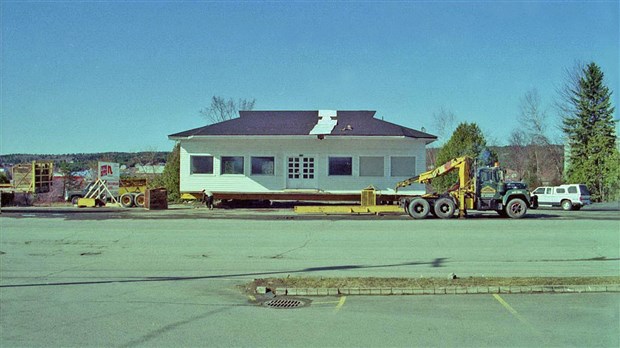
point(120, 76)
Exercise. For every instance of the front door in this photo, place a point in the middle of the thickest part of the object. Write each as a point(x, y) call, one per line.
point(301, 172)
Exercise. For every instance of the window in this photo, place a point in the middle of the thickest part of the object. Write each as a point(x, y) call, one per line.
point(403, 166)
point(560, 190)
point(263, 166)
point(548, 190)
point(340, 166)
point(371, 166)
point(485, 175)
point(232, 165)
point(540, 191)
point(201, 165)
point(572, 189)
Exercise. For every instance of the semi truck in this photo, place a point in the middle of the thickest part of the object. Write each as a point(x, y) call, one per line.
point(477, 188)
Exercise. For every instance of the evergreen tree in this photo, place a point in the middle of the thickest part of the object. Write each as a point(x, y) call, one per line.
point(170, 178)
point(591, 135)
point(467, 140)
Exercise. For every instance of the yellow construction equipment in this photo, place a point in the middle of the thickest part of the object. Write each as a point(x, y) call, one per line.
point(28, 179)
point(33, 177)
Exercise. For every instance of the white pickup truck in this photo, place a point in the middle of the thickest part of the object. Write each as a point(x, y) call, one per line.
point(569, 197)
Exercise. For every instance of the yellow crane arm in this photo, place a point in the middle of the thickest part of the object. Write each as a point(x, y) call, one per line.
point(461, 163)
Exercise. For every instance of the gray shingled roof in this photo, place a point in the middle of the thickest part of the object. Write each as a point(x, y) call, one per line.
point(350, 123)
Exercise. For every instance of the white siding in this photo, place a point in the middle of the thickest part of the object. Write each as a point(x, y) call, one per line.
point(282, 148)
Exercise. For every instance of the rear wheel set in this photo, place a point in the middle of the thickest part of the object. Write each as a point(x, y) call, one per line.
point(420, 208)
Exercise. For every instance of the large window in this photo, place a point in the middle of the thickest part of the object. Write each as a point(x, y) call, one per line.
point(371, 166)
point(201, 165)
point(232, 165)
point(340, 166)
point(403, 166)
point(263, 166)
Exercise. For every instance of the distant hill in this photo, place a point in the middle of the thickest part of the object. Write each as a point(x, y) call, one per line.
point(84, 160)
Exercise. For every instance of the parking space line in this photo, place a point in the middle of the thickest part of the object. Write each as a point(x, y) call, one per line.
point(340, 303)
point(516, 314)
point(509, 308)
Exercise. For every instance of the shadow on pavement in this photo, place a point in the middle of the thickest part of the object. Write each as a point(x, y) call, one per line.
point(438, 262)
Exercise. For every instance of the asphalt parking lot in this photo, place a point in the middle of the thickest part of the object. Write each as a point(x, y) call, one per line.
point(278, 211)
point(172, 278)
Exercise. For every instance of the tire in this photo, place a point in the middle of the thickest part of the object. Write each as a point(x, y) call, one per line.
point(139, 200)
point(566, 204)
point(126, 200)
point(419, 208)
point(444, 208)
point(516, 208)
point(74, 200)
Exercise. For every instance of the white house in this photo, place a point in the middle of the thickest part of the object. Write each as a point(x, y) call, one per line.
point(321, 154)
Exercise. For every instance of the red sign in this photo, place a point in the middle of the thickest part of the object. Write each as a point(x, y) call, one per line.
point(106, 170)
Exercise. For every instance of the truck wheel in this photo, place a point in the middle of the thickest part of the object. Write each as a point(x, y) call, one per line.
point(516, 208)
point(74, 200)
point(444, 208)
point(139, 200)
point(419, 208)
point(127, 200)
point(566, 204)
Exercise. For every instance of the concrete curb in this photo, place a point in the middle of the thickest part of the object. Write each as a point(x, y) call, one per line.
point(451, 290)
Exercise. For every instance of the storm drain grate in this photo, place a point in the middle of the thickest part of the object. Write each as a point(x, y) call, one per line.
point(284, 303)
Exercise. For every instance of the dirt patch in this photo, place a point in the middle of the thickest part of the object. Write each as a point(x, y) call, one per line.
point(371, 282)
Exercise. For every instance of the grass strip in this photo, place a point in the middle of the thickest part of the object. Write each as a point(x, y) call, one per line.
point(372, 282)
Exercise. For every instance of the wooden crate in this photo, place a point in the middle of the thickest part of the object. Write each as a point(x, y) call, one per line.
point(156, 199)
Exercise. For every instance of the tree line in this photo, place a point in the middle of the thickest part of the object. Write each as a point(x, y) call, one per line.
point(82, 161)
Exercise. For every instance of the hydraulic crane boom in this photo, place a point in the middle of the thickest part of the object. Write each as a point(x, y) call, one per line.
point(463, 164)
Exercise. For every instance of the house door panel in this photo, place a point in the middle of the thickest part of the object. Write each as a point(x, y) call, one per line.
point(301, 172)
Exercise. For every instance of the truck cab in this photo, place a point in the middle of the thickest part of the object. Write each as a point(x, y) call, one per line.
point(494, 194)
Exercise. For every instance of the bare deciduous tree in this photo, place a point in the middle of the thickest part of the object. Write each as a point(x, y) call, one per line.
point(222, 109)
point(444, 122)
point(146, 161)
point(533, 118)
point(517, 160)
point(538, 159)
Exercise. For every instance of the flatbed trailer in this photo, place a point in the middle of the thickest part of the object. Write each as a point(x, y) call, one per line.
point(306, 196)
point(370, 202)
